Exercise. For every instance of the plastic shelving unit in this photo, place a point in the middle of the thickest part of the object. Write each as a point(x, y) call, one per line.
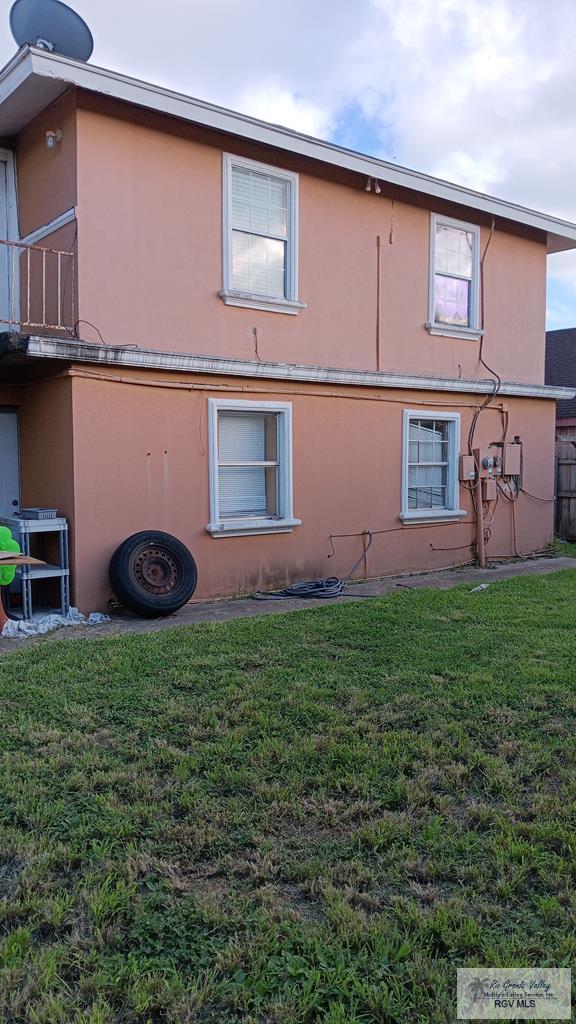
point(22, 531)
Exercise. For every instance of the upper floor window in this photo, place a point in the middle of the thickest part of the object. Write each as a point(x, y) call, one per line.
point(454, 278)
point(260, 232)
point(430, 466)
point(250, 467)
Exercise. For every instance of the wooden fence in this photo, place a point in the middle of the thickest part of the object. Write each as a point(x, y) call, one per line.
point(566, 489)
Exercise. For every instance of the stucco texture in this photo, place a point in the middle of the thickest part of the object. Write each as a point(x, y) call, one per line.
point(141, 462)
point(120, 451)
point(150, 259)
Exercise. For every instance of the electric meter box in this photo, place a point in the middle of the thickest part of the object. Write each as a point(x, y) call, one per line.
point(512, 459)
point(467, 468)
point(490, 461)
point(489, 490)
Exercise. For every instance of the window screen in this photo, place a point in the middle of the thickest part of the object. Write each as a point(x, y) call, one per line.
point(428, 463)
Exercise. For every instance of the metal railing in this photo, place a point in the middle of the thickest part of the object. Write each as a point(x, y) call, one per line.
point(37, 287)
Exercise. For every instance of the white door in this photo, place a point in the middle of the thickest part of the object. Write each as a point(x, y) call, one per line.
point(9, 464)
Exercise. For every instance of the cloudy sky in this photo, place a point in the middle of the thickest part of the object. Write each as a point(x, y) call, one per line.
point(481, 92)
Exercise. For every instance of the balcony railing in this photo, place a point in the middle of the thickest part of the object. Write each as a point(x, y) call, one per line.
point(37, 287)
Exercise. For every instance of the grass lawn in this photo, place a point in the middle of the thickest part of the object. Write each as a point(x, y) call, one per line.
point(567, 550)
point(305, 818)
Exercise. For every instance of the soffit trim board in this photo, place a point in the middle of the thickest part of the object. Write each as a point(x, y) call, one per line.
point(40, 347)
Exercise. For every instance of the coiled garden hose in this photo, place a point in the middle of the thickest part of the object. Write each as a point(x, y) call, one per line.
point(331, 587)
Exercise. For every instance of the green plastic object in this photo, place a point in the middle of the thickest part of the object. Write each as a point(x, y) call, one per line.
point(7, 543)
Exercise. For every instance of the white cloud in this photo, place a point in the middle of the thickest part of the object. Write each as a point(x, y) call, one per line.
point(271, 102)
point(479, 173)
point(480, 91)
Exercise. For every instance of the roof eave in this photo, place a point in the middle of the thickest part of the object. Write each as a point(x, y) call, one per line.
point(34, 78)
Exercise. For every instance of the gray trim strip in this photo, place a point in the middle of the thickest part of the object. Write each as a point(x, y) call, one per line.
point(151, 359)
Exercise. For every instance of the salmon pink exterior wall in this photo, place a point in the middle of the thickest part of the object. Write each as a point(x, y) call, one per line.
point(150, 257)
point(46, 446)
point(45, 431)
point(120, 450)
point(45, 442)
point(47, 178)
point(47, 182)
point(141, 462)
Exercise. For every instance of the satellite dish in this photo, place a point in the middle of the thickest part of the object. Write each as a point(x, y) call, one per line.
point(53, 26)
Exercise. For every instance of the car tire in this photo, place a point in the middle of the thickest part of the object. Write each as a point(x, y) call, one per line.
point(153, 574)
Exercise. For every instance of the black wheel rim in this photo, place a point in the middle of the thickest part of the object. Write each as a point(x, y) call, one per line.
point(155, 570)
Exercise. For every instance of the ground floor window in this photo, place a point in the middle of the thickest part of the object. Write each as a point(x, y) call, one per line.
point(431, 446)
point(250, 467)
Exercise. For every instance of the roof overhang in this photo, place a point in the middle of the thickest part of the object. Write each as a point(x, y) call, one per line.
point(40, 348)
point(35, 78)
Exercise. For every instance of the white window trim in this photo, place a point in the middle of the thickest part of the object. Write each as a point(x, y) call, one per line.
point(7, 157)
point(474, 332)
point(11, 267)
point(414, 515)
point(258, 524)
point(230, 296)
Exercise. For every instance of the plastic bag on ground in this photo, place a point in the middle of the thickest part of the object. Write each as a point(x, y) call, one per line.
point(41, 624)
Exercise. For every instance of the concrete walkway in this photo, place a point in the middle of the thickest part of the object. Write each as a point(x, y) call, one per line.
point(238, 608)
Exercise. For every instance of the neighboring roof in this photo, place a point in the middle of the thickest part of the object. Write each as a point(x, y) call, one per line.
point(561, 365)
point(34, 78)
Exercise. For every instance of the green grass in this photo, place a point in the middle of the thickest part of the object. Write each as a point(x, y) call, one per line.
point(566, 549)
point(303, 818)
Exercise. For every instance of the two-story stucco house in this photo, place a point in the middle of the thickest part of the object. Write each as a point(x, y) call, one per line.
point(271, 347)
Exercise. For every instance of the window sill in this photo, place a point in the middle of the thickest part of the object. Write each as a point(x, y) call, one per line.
point(251, 527)
point(447, 331)
point(446, 515)
point(270, 304)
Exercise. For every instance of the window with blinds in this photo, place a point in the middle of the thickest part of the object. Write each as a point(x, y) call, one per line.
point(259, 232)
point(248, 465)
point(455, 274)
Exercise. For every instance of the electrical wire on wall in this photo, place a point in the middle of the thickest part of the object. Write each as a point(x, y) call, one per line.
point(512, 488)
point(333, 586)
point(497, 378)
point(497, 382)
point(238, 388)
point(483, 512)
point(511, 493)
